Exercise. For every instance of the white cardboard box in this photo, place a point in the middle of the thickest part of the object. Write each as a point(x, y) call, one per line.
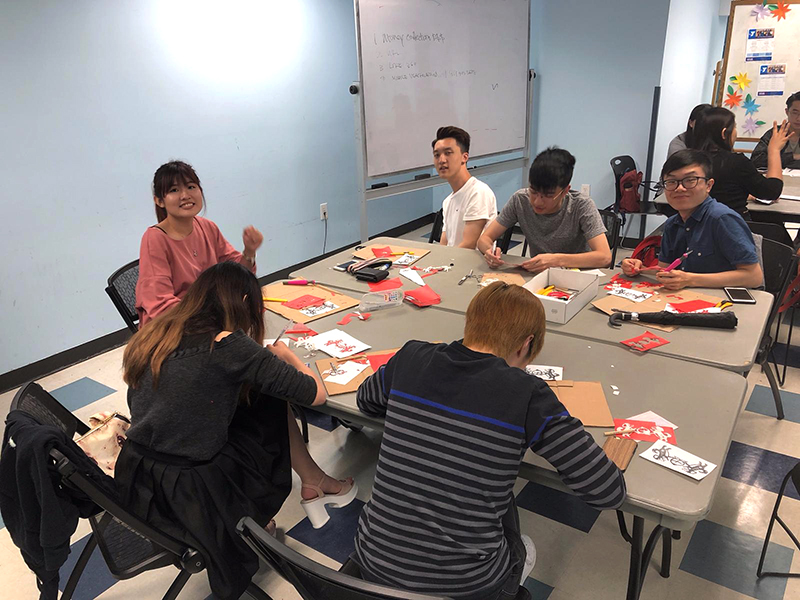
point(558, 311)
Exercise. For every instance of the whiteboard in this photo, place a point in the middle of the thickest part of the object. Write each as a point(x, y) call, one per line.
point(429, 63)
point(764, 47)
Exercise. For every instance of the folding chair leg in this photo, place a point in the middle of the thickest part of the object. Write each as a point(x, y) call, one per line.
point(773, 384)
point(80, 565)
point(177, 585)
point(760, 570)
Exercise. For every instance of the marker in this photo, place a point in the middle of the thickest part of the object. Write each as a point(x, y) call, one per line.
point(299, 282)
point(266, 299)
point(401, 253)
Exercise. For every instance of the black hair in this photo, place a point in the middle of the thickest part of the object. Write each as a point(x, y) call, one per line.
point(792, 99)
point(551, 169)
point(709, 127)
point(685, 158)
point(695, 115)
point(169, 174)
point(450, 131)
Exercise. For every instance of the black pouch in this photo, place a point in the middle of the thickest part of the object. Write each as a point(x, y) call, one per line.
point(370, 274)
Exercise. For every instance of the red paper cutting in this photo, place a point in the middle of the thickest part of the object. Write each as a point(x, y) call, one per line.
point(691, 305)
point(423, 296)
point(376, 360)
point(346, 319)
point(619, 281)
point(301, 329)
point(385, 285)
point(304, 301)
point(645, 431)
point(649, 284)
point(644, 342)
point(385, 252)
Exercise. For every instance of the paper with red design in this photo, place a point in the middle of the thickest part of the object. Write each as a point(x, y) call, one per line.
point(646, 341)
point(691, 305)
point(338, 344)
point(644, 431)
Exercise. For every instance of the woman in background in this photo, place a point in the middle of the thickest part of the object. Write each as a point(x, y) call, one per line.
point(686, 139)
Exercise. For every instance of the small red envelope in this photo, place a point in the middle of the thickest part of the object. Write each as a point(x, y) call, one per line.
point(645, 431)
point(385, 285)
point(376, 360)
point(385, 252)
point(304, 301)
point(644, 342)
point(691, 305)
point(422, 296)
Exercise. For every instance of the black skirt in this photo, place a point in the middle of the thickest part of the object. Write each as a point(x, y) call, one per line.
point(200, 503)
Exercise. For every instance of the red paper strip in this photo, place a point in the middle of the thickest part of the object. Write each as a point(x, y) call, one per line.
point(385, 252)
point(376, 360)
point(691, 305)
point(423, 296)
point(644, 342)
point(361, 317)
point(303, 302)
point(385, 285)
point(645, 431)
point(429, 274)
point(299, 328)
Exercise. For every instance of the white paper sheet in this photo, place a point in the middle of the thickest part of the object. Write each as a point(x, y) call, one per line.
point(597, 272)
point(772, 79)
point(406, 259)
point(412, 276)
point(655, 418)
point(678, 460)
point(338, 344)
point(344, 373)
point(313, 311)
point(546, 372)
point(633, 295)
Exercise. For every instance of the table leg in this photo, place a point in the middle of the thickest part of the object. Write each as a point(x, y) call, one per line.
point(635, 572)
point(640, 557)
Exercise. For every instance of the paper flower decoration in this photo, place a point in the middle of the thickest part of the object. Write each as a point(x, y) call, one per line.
point(780, 11)
point(742, 80)
point(760, 12)
point(750, 105)
point(749, 126)
point(733, 99)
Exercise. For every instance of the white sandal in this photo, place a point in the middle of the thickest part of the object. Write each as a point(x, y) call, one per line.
point(315, 507)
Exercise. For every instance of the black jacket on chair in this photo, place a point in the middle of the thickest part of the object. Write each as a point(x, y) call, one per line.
point(40, 513)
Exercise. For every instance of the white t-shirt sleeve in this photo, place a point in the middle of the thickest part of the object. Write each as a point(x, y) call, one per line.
point(481, 204)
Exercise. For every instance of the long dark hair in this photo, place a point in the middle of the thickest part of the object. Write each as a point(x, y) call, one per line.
point(709, 127)
point(225, 297)
point(694, 116)
point(169, 174)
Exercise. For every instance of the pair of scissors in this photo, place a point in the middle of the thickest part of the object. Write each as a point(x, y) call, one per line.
point(465, 277)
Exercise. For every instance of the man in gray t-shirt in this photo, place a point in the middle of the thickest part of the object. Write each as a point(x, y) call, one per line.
point(563, 228)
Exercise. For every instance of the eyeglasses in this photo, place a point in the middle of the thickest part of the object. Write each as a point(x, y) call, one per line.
point(534, 194)
point(688, 183)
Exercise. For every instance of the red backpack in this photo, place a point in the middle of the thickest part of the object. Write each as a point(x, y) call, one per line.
point(647, 250)
point(629, 192)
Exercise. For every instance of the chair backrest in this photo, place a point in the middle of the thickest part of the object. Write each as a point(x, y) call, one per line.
point(771, 231)
point(621, 165)
point(122, 291)
point(780, 266)
point(612, 222)
point(436, 232)
point(312, 580)
point(505, 240)
point(129, 545)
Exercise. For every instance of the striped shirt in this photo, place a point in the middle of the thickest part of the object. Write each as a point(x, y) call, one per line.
point(458, 424)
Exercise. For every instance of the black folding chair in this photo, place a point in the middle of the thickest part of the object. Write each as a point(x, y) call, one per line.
point(794, 475)
point(505, 241)
point(780, 262)
point(121, 289)
point(436, 232)
point(612, 223)
point(128, 545)
point(314, 581)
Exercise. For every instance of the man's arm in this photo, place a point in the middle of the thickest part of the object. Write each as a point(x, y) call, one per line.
point(743, 276)
point(443, 239)
point(599, 255)
point(472, 231)
point(371, 396)
point(487, 239)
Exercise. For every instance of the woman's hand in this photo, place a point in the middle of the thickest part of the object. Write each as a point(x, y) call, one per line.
point(780, 135)
point(631, 266)
point(252, 239)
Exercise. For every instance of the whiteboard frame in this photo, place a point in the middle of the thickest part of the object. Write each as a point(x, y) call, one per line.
point(367, 193)
point(728, 36)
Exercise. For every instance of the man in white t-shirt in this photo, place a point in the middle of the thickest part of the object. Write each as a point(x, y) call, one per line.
point(472, 204)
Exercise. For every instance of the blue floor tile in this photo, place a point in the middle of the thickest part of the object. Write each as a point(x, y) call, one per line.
point(96, 577)
point(321, 420)
point(558, 506)
point(79, 393)
point(538, 590)
point(760, 468)
point(729, 558)
point(761, 402)
point(336, 538)
point(793, 360)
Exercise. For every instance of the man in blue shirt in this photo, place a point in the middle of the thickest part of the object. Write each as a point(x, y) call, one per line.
point(720, 245)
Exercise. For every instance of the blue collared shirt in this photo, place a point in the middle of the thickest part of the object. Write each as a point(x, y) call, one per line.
point(718, 237)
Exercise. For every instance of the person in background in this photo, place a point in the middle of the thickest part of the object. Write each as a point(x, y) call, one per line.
point(459, 419)
point(562, 227)
point(735, 176)
point(720, 245)
point(686, 139)
point(172, 255)
point(472, 204)
point(790, 151)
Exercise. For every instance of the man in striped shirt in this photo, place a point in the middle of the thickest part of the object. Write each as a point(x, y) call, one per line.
point(459, 419)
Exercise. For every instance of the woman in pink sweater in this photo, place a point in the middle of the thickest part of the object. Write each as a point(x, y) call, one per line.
point(172, 255)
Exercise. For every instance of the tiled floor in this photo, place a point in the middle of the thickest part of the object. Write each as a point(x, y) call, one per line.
point(580, 552)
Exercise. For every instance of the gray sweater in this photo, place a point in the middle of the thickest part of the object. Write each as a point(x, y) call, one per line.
point(198, 391)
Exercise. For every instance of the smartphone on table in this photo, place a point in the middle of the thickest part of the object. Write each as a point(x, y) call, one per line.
point(739, 295)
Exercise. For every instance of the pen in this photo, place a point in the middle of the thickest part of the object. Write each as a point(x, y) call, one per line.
point(280, 335)
point(677, 261)
point(267, 299)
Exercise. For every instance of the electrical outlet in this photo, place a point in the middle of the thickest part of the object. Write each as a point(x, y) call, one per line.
point(586, 190)
point(323, 211)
